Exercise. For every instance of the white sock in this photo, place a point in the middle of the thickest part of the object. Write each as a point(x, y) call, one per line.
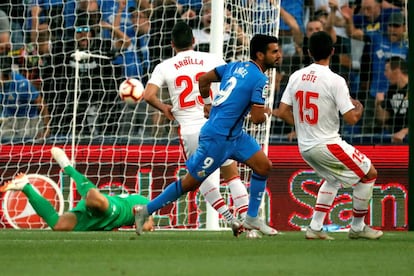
point(326, 196)
point(211, 193)
point(239, 195)
point(360, 200)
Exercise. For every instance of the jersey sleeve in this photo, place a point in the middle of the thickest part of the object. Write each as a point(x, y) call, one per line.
point(220, 70)
point(286, 96)
point(260, 92)
point(342, 96)
point(157, 77)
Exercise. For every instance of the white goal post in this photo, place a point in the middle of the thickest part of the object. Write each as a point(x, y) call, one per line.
point(243, 17)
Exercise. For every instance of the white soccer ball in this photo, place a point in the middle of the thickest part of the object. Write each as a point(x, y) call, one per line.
point(253, 234)
point(131, 91)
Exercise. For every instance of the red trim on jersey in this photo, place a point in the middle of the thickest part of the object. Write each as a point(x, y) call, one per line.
point(339, 153)
point(369, 181)
point(232, 178)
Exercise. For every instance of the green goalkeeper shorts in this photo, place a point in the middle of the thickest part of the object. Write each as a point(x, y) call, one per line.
point(118, 214)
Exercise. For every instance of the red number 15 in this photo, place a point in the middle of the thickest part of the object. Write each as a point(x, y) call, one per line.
point(308, 111)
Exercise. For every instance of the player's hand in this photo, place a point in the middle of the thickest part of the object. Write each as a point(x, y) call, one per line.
point(356, 103)
point(149, 224)
point(189, 14)
point(207, 108)
point(291, 136)
point(122, 4)
point(167, 112)
point(105, 25)
point(398, 137)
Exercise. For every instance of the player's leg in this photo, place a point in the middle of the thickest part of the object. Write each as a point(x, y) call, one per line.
point(66, 222)
point(83, 184)
point(208, 158)
point(362, 195)
point(93, 197)
point(210, 188)
point(326, 158)
point(261, 167)
point(41, 205)
point(249, 152)
point(170, 194)
point(96, 200)
point(326, 196)
point(238, 190)
point(322, 161)
point(211, 192)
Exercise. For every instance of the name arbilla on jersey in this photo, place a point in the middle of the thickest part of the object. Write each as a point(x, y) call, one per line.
point(188, 61)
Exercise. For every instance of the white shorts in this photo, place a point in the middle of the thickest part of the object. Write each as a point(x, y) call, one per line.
point(189, 142)
point(338, 164)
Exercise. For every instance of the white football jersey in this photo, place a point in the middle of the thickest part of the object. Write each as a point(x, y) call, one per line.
point(317, 95)
point(180, 73)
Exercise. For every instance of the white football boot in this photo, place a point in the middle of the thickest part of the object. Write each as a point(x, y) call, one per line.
point(16, 184)
point(258, 224)
point(60, 156)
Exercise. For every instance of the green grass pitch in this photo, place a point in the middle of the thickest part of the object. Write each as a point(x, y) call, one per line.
point(44, 252)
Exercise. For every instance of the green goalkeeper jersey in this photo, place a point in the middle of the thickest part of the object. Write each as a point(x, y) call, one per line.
point(119, 213)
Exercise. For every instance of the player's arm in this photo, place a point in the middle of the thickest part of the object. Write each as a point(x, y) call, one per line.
point(204, 83)
point(399, 136)
point(259, 113)
point(352, 116)
point(150, 96)
point(382, 115)
point(285, 113)
point(44, 113)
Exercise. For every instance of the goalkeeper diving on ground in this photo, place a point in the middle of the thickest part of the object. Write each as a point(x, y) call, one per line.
point(96, 211)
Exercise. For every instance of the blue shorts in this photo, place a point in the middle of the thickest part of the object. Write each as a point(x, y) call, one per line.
point(212, 152)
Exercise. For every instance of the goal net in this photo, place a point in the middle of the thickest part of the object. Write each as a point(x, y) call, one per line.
point(74, 104)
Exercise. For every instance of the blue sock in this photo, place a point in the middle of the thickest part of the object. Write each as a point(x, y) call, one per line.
point(170, 194)
point(257, 187)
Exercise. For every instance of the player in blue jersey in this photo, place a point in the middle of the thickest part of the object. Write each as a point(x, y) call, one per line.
point(243, 89)
point(23, 110)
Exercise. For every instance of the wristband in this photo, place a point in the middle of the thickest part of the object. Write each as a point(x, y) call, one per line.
point(207, 100)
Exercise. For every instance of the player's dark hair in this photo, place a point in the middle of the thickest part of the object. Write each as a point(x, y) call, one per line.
point(398, 62)
point(182, 35)
point(320, 45)
point(259, 43)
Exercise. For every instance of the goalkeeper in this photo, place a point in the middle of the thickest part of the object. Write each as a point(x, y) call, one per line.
point(94, 212)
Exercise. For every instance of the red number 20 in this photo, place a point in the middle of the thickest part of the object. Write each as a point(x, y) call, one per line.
point(308, 111)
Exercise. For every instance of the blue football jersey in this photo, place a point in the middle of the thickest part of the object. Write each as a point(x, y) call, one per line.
point(242, 84)
point(18, 98)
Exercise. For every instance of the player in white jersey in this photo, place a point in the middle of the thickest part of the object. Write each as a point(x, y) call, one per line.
point(312, 100)
point(180, 73)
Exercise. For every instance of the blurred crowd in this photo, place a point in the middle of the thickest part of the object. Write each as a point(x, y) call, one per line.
point(39, 71)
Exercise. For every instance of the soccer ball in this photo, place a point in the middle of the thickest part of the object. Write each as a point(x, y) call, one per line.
point(131, 90)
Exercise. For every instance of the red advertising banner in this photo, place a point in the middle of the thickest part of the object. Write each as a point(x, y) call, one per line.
point(291, 190)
